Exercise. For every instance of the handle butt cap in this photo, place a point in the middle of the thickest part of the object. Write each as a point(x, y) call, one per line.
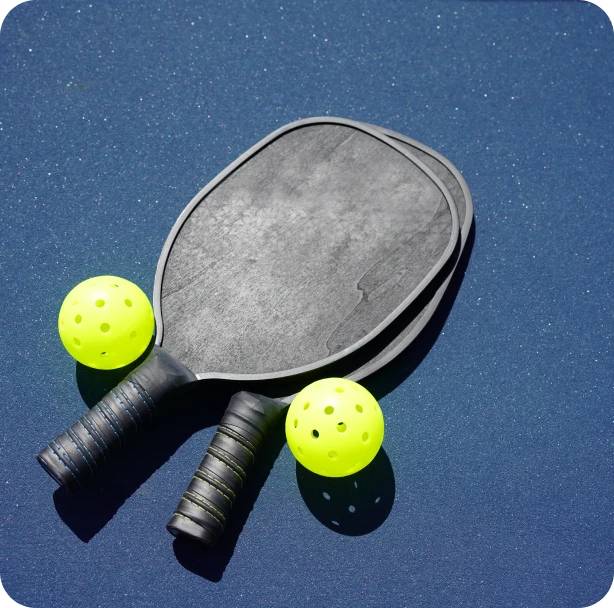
point(57, 470)
point(182, 527)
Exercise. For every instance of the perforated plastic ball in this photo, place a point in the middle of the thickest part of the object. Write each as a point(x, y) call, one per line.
point(106, 322)
point(334, 427)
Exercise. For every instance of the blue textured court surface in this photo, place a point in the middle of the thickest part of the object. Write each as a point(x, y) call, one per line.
point(499, 422)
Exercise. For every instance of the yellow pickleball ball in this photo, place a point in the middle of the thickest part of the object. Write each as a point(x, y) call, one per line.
point(106, 322)
point(334, 427)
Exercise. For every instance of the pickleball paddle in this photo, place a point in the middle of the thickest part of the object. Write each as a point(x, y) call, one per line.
point(298, 256)
point(205, 506)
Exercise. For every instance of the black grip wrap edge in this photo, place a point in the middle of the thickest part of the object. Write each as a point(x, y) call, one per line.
point(75, 455)
point(205, 507)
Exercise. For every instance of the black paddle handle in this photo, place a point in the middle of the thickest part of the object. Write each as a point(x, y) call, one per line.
point(204, 509)
point(74, 456)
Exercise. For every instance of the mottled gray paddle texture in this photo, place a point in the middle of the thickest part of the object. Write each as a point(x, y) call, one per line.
point(300, 252)
point(464, 205)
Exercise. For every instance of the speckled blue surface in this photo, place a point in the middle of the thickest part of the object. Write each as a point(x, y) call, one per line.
point(114, 114)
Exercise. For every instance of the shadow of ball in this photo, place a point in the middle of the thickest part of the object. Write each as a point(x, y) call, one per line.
point(352, 505)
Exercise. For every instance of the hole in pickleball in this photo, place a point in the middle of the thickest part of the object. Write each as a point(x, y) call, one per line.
point(306, 406)
point(114, 285)
point(105, 327)
point(359, 408)
point(77, 341)
point(132, 334)
point(329, 409)
point(104, 353)
point(342, 427)
point(315, 434)
point(75, 302)
point(339, 390)
point(295, 423)
point(365, 436)
point(332, 455)
point(128, 303)
point(78, 319)
point(352, 509)
point(99, 303)
point(300, 449)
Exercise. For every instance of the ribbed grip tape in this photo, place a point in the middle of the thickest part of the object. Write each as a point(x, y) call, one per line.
point(205, 507)
point(77, 454)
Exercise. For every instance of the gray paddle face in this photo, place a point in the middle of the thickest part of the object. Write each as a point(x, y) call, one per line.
point(302, 251)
